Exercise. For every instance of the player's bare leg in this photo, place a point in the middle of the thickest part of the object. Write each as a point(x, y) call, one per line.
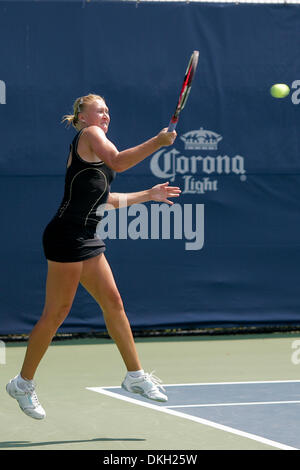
point(61, 286)
point(98, 280)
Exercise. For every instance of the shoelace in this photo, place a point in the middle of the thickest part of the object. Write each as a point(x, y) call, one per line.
point(30, 390)
point(156, 380)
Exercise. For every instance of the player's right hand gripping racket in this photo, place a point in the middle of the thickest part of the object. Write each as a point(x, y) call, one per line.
point(185, 90)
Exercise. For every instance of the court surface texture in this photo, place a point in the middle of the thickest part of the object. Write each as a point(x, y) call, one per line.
point(238, 392)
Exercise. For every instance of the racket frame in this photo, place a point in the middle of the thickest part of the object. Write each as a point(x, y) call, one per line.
point(185, 90)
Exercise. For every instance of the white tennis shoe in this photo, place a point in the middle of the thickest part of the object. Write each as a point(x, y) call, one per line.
point(147, 385)
point(26, 397)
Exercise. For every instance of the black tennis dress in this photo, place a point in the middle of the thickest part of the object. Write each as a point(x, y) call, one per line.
point(71, 235)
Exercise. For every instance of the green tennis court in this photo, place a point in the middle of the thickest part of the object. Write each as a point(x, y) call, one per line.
point(80, 419)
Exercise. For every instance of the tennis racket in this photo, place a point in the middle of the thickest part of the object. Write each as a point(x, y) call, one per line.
point(185, 90)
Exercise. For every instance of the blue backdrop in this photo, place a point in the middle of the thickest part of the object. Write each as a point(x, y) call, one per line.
point(236, 157)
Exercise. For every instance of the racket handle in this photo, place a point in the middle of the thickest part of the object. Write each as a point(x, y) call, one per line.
point(172, 126)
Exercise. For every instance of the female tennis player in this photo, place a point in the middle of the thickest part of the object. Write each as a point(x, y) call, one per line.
point(75, 254)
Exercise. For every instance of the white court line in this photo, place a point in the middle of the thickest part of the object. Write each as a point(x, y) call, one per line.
point(235, 404)
point(179, 414)
point(226, 383)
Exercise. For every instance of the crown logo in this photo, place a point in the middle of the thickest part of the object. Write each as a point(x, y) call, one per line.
point(201, 140)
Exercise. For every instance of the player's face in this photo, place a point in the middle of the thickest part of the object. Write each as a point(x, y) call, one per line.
point(97, 114)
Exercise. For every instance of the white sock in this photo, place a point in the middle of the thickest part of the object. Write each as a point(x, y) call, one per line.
point(136, 373)
point(22, 382)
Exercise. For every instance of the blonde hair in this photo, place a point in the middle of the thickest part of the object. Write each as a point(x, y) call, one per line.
point(79, 106)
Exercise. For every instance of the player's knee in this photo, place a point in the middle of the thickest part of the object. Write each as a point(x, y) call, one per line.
point(113, 302)
point(55, 315)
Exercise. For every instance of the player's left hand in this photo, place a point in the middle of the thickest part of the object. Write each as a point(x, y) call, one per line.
point(161, 192)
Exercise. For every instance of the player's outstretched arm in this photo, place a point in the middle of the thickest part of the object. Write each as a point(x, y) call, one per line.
point(122, 161)
point(160, 193)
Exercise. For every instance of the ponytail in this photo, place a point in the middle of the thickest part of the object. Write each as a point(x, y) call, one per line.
point(78, 107)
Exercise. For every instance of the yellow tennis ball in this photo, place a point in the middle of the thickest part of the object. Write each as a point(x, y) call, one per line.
point(279, 90)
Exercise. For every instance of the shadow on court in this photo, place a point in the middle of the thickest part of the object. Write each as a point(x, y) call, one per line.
point(8, 444)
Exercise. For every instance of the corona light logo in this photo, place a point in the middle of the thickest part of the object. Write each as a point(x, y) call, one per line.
point(196, 164)
point(201, 140)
